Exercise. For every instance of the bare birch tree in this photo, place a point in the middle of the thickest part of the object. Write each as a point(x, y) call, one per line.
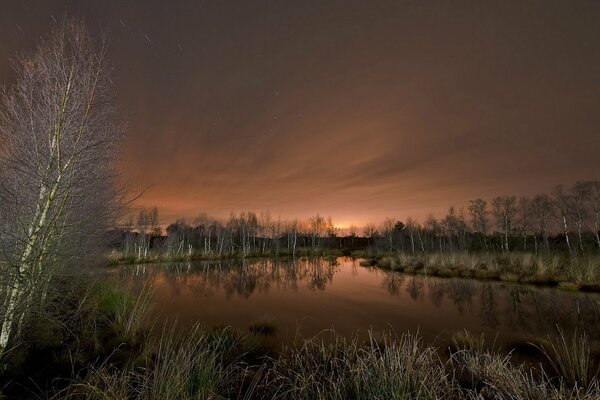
point(387, 230)
point(504, 210)
point(541, 209)
point(561, 211)
point(524, 219)
point(433, 225)
point(370, 231)
point(59, 136)
point(479, 219)
point(595, 205)
point(581, 193)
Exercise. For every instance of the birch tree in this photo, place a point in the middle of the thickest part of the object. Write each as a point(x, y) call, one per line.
point(370, 231)
point(581, 193)
point(595, 205)
point(387, 230)
point(561, 211)
point(59, 135)
point(541, 209)
point(450, 225)
point(524, 219)
point(479, 219)
point(504, 210)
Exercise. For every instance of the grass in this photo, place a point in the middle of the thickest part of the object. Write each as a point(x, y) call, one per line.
point(571, 357)
point(570, 273)
point(201, 365)
point(487, 372)
point(175, 366)
point(124, 309)
point(341, 368)
point(116, 257)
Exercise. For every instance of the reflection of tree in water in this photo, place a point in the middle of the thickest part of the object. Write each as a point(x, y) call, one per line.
point(414, 287)
point(436, 289)
point(567, 311)
point(556, 308)
point(320, 273)
point(588, 313)
point(240, 278)
point(392, 282)
point(488, 311)
point(524, 309)
point(518, 316)
point(461, 293)
point(241, 283)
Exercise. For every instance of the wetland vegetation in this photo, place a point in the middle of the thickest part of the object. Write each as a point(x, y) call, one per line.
point(255, 307)
point(134, 334)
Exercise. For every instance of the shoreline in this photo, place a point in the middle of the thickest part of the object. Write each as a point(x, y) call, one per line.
point(484, 266)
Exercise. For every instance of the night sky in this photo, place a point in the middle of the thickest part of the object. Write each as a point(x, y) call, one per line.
point(353, 109)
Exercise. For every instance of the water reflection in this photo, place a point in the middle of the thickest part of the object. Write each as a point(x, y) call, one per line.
point(322, 293)
point(239, 277)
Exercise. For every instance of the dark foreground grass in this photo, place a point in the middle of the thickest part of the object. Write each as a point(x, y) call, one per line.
point(202, 366)
point(568, 272)
point(104, 348)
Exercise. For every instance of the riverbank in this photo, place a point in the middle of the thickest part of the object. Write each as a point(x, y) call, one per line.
point(567, 272)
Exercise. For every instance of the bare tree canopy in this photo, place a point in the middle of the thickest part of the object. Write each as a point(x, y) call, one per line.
point(59, 135)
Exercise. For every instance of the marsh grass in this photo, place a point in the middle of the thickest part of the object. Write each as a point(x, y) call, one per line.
point(176, 365)
point(340, 368)
point(124, 309)
point(116, 257)
point(581, 272)
point(486, 372)
point(572, 359)
point(200, 364)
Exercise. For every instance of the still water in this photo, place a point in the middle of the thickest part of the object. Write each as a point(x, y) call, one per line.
point(309, 296)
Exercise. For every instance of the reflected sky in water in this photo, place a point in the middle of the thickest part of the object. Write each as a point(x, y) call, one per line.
point(309, 296)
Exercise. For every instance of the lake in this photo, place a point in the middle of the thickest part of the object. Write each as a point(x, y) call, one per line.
point(307, 296)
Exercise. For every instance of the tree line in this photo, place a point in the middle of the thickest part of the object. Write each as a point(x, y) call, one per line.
point(245, 233)
point(565, 220)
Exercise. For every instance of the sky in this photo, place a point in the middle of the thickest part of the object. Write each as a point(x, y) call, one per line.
point(356, 110)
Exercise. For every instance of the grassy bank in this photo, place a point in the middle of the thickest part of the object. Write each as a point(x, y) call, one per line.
point(568, 272)
point(118, 258)
point(97, 343)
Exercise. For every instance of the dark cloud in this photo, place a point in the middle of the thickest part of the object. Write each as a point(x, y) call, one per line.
point(351, 108)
